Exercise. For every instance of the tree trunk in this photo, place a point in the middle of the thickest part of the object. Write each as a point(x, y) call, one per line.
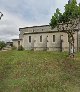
point(71, 50)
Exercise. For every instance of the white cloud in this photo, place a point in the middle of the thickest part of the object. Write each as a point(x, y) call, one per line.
point(9, 26)
point(21, 13)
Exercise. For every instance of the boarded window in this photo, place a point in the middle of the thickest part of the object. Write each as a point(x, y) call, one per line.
point(53, 38)
point(29, 38)
point(41, 38)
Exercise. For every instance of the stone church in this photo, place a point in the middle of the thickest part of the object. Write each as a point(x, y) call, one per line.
point(46, 39)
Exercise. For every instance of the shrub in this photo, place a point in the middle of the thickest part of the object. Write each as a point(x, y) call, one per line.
point(2, 44)
point(14, 48)
point(20, 48)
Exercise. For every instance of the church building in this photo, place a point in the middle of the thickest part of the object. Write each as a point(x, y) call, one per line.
point(46, 39)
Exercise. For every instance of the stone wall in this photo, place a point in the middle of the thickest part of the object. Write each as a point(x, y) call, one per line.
point(61, 39)
point(47, 41)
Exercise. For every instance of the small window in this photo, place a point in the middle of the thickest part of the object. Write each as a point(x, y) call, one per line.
point(53, 38)
point(29, 38)
point(41, 38)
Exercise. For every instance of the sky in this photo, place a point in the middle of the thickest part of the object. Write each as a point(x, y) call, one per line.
point(25, 13)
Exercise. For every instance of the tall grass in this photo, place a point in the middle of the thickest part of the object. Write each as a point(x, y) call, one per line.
point(39, 71)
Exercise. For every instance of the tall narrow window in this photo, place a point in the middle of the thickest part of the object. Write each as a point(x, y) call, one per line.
point(29, 38)
point(53, 38)
point(41, 38)
point(18, 43)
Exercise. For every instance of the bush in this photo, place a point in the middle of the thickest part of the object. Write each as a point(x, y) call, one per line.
point(14, 48)
point(2, 44)
point(20, 48)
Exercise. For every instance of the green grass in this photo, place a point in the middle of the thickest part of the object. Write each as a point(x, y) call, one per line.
point(40, 71)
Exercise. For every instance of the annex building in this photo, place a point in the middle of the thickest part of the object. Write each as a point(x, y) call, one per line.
point(46, 39)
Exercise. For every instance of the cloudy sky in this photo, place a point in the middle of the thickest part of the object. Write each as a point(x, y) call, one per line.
point(23, 13)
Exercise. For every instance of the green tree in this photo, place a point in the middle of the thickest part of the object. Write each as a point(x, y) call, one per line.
point(2, 44)
point(71, 17)
point(56, 18)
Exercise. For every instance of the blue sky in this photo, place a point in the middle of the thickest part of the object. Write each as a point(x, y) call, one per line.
point(23, 13)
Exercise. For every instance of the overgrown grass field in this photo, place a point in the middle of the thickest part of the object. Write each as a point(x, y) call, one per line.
point(40, 71)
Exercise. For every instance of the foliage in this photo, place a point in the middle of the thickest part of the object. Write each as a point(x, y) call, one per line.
point(2, 44)
point(70, 16)
point(20, 48)
point(28, 71)
point(56, 18)
point(72, 11)
point(13, 48)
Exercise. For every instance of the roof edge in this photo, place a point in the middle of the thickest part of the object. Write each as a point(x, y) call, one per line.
point(47, 32)
point(34, 27)
point(16, 39)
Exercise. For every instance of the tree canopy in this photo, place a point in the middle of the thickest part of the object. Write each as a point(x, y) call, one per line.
point(72, 11)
